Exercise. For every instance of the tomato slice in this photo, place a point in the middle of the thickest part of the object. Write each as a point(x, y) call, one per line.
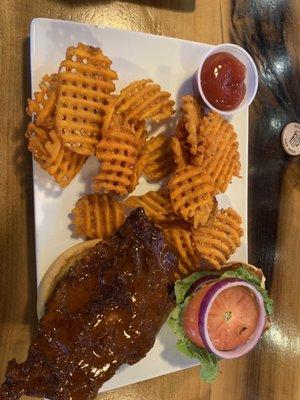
point(232, 318)
point(191, 314)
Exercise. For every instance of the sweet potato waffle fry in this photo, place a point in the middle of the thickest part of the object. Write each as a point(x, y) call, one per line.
point(191, 194)
point(48, 150)
point(144, 100)
point(218, 153)
point(177, 152)
point(182, 240)
point(218, 241)
point(139, 167)
point(118, 153)
point(141, 135)
point(183, 146)
point(85, 82)
point(192, 115)
point(42, 106)
point(157, 205)
point(160, 158)
point(97, 216)
point(213, 212)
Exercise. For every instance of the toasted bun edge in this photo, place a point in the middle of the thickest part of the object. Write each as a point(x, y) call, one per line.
point(58, 269)
point(250, 268)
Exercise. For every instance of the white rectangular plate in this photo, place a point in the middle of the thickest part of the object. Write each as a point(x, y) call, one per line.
point(169, 62)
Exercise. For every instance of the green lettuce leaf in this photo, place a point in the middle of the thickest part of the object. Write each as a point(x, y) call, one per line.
point(208, 361)
point(181, 287)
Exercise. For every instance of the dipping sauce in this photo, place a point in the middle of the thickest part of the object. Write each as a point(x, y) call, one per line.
point(223, 81)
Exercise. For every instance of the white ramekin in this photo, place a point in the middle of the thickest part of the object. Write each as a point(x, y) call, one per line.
point(251, 78)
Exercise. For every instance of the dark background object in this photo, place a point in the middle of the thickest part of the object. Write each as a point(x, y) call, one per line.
point(260, 27)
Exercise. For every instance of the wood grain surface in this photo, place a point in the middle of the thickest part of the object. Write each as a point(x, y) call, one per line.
point(270, 31)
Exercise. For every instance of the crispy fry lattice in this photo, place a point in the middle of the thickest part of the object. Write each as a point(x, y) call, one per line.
point(142, 100)
point(138, 170)
point(42, 106)
point(118, 152)
point(84, 102)
point(97, 216)
point(183, 146)
point(218, 241)
point(191, 194)
point(142, 158)
point(48, 150)
point(160, 158)
point(177, 152)
point(182, 240)
point(218, 153)
point(192, 115)
point(156, 204)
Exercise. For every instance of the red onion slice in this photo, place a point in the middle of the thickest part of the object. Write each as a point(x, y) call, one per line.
point(199, 283)
point(206, 304)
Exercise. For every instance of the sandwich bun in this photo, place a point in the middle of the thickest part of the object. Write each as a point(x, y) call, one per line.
point(249, 267)
point(58, 269)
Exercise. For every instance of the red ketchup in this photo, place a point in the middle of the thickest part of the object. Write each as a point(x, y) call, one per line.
point(223, 81)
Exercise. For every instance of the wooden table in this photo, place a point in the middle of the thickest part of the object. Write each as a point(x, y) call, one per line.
point(270, 30)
